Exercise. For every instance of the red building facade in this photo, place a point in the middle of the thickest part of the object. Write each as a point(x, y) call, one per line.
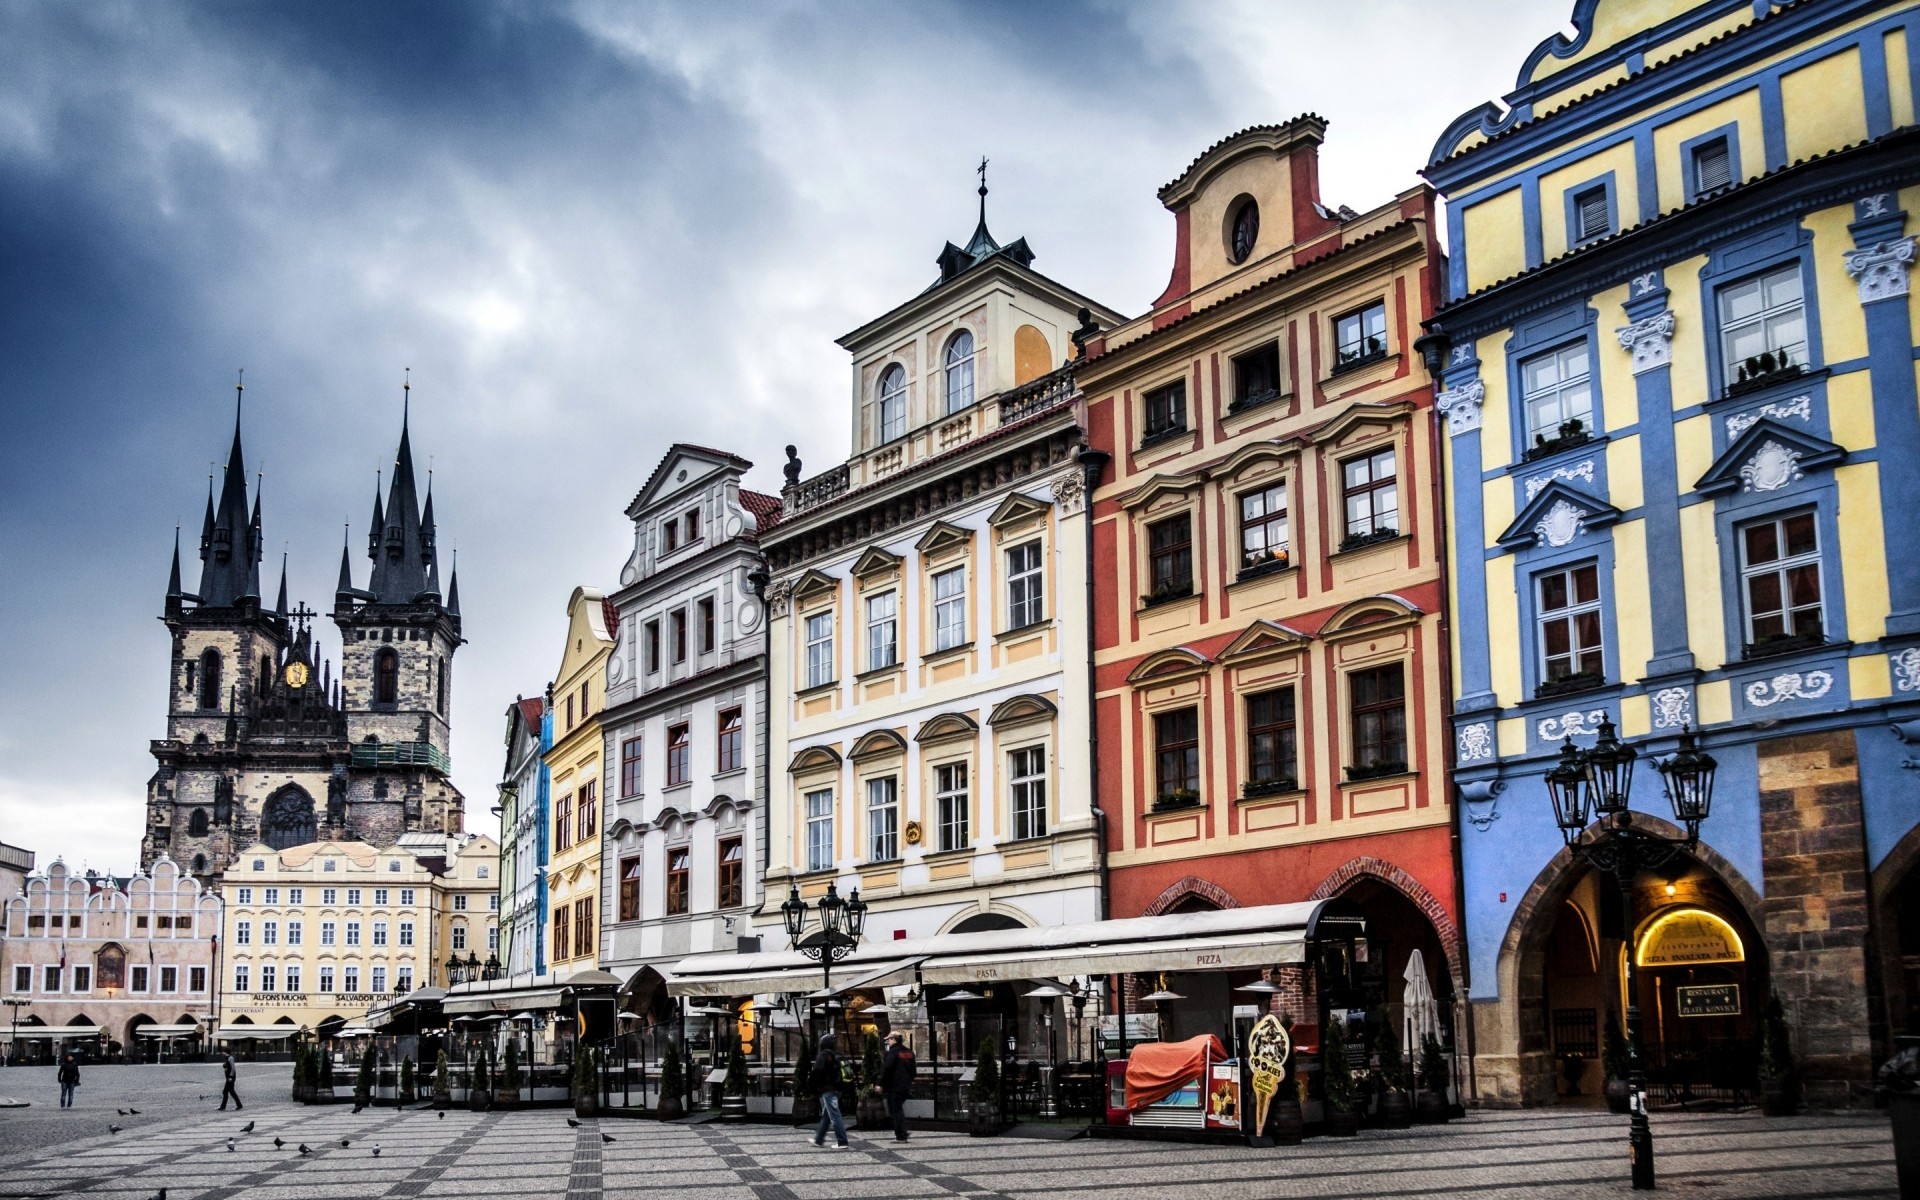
point(1269, 652)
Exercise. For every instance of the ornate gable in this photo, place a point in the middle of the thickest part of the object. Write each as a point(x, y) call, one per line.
point(1556, 515)
point(1766, 458)
point(1358, 418)
point(814, 758)
point(1021, 709)
point(1017, 509)
point(942, 537)
point(875, 561)
point(1169, 664)
point(1264, 637)
point(946, 727)
point(813, 583)
point(877, 743)
point(1158, 487)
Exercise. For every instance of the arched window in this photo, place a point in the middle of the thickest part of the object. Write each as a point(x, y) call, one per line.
point(266, 675)
point(386, 677)
point(199, 864)
point(197, 823)
point(210, 678)
point(960, 371)
point(893, 402)
point(440, 688)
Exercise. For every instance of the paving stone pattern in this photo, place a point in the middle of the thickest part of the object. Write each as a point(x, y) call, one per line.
point(1559, 1153)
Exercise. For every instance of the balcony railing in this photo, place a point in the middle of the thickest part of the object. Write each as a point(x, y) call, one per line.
point(811, 493)
point(401, 754)
point(1037, 395)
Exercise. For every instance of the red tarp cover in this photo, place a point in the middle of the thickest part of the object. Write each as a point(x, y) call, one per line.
point(1156, 1070)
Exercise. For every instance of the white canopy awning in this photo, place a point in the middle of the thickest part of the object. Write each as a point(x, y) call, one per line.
point(1227, 939)
point(51, 1031)
point(501, 1000)
point(265, 1033)
point(166, 1030)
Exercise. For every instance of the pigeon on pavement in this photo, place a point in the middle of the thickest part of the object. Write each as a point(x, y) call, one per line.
point(121, 1111)
point(304, 1149)
point(247, 1128)
point(572, 1124)
point(277, 1143)
point(229, 1145)
point(376, 1149)
point(160, 1195)
point(133, 1112)
point(605, 1138)
point(114, 1128)
point(443, 1114)
point(344, 1143)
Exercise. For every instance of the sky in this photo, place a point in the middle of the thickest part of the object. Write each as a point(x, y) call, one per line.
point(589, 229)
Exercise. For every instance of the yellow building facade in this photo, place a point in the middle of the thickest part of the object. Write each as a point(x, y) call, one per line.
point(576, 767)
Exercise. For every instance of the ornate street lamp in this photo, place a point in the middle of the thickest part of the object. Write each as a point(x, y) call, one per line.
point(1597, 784)
point(492, 970)
point(473, 967)
point(842, 922)
point(455, 970)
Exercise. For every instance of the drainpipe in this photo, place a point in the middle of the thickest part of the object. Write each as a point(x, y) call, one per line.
point(1092, 463)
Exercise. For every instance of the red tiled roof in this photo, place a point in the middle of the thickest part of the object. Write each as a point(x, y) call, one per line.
point(611, 615)
point(1238, 133)
point(766, 509)
point(531, 711)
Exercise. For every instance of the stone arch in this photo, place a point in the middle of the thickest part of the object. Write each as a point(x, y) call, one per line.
point(288, 818)
point(197, 823)
point(1381, 871)
point(1188, 887)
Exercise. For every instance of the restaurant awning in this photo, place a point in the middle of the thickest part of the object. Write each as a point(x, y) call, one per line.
point(1227, 939)
point(166, 1030)
point(51, 1031)
point(502, 999)
point(265, 1033)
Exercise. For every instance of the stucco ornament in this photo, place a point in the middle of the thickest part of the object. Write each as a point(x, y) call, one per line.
point(1070, 491)
point(1771, 468)
point(1789, 685)
point(1800, 407)
point(1482, 798)
point(1476, 742)
point(1461, 406)
point(1572, 724)
point(1583, 471)
point(1561, 524)
point(1906, 669)
point(1649, 339)
point(1672, 708)
point(1882, 269)
point(779, 596)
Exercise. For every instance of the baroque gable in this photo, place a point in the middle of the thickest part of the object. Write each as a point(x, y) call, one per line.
point(1767, 457)
point(1557, 514)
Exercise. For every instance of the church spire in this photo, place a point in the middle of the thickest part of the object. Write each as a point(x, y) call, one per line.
point(453, 590)
point(343, 591)
point(280, 605)
point(402, 553)
point(231, 572)
point(173, 577)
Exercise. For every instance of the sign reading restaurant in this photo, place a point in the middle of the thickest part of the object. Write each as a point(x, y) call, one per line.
point(1709, 999)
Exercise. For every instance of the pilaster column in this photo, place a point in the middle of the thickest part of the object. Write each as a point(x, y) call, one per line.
point(1460, 404)
point(1649, 339)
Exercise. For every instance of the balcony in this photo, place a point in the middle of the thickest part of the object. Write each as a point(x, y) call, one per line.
point(812, 493)
point(401, 754)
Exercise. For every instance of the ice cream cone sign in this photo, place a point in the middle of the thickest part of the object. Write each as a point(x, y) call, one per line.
point(1267, 1050)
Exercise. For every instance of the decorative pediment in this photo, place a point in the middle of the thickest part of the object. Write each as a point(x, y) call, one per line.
point(1264, 637)
point(1361, 416)
point(812, 584)
point(725, 803)
point(877, 743)
point(947, 727)
point(1767, 457)
point(1017, 509)
point(943, 537)
point(1370, 614)
point(1159, 487)
point(1254, 457)
point(1558, 513)
point(1020, 710)
point(814, 758)
point(1169, 664)
point(875, 561)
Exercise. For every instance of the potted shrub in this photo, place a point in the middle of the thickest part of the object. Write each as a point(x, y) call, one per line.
point(983, 1093)
point(1616, 1064)
point(363, 1082)
point(733, 1088)
point(672, 1085)
point(1284, 1119)
point(1431, 1106)
point(1779, 1074)
point(442, 1090)
point(406, 1081)
point(1395, 1113)
point(1336, 1082)
point(806, 1105)
point(872, 1108)
point(506, 1090)
point(481, 1083)
point(586, 1083)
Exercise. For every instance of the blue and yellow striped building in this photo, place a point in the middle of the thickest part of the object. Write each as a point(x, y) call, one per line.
point(1683, 488)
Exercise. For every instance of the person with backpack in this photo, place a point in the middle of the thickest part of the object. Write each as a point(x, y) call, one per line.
point(227, 1092)
point(69, 1078)
point(825, 1082)
point(896, 1080)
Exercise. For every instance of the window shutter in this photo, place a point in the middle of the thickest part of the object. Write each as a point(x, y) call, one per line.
point(1592, 213)
point(1712, 167)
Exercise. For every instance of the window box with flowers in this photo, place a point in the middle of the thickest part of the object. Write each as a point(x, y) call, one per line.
point(1263, 562)
point(1784, 643)
point(1360, 541)
point(1566, 685)
point(1176, 799)
point(1255, 788)
point(1379, 770)
point(1572, 432)
point(1167, 593)
point(1763, 370)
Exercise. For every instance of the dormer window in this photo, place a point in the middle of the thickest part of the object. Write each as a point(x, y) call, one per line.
point(959, 368)
point(669, 536)
point(690, 526)
point(893, 402)
point(1244, 231)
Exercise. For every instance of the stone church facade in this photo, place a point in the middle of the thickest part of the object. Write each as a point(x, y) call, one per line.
point(264, 741)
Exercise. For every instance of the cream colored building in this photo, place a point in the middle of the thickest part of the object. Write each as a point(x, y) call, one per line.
point(575, 766)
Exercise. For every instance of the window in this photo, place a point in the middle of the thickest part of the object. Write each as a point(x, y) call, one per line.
point(1165, 411)
point(296, 895)
point(1176, 756)
point(1245, 231)
point(353, 933)
point(292, 978)
point(259, 864)
point(353, 897)
point(883, 819)
point(709, 631)
point(677, 633)
point(1763, 315)
point(22, 978)
point(954, 805)
point(209, 697)
point(403, 979)
point(440, 686)
point(350, 979)
point(379, 980)
point(1557, 388)
point(1256, 376)
point(820, 649)
point(267, 978)
point(245, 896)
point(729, 888)
point(630, 767)
point(731, 740)
point(820, 830)
point(690, 524)
point(293, 933)
point(459, 902)
point(406, 894)
point(196, 979)
point(329, 896)
point(1360, 336)
point(569, 712)
point(381, 896)
point(493, 939)
point(460, 935)
point(949, 609)
point(1592, 216)
point(197, 823)
point(1026, 595)
point(563, 822)
point(50, 979)
point(630, 888)
point(1373, 496)
point(679, 750)
point(562, 924)
point(589, 820)
point(959, 371)
point(1170, 557)
point(83, 979)
point(582, 927)
point(1570, 643)
point(1027, 769)
point(1712, 166)
point(406, 933)
point(1780, 577)
point(328, 865)
point(679, 873)
point(493, 899)
point(893, 403)
point(883, 631)
point(1263, 528)
point(271, 896)
point(241, 980)
point(653, 646)
point(386, 677)
point(1270, 740)
point(243, 933)
point(669, 535)
point(326, 933)
point(1378, 697)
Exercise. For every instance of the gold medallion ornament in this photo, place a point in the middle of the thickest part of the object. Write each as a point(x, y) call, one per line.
point(913, 833)
point(296, 675)
point(1267, 1048)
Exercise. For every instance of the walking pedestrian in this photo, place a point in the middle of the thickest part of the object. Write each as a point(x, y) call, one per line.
point(69, 1078)
point(896, 1080)
point(226, 1067)
point(825, 1082)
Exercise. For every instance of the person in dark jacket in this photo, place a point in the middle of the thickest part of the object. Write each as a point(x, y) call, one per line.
point(69, 1079)
point(825, 1082)
point(896, 1080)
point(227, 1092)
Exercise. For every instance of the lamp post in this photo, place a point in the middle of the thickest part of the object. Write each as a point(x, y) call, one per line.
point(1596, 785)
point(455, 970)
point(16, 1003)
point(491, 971)
point(841, 924)
point(1046, 994)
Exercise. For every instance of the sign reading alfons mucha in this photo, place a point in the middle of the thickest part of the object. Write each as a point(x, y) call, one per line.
point(1688, 937)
